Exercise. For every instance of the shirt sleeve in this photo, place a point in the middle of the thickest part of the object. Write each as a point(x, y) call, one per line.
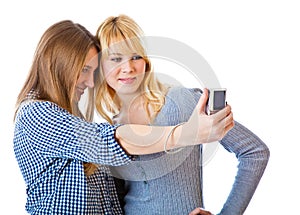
point(54, 132)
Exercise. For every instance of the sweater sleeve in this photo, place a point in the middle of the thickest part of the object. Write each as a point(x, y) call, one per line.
point(253, 155)
point(53, 132)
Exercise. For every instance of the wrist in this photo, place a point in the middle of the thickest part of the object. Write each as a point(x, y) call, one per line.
point(172, 141)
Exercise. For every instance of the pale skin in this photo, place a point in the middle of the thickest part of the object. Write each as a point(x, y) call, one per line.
point(86, 78)
point(124, 73)
point(143, 139)
point(200, 211)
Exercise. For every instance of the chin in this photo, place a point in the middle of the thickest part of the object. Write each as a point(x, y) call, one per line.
point(77, 98)
point(127, 91)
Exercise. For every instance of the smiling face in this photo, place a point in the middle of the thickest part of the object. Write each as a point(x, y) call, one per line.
point(86, 78)
point(124, 72)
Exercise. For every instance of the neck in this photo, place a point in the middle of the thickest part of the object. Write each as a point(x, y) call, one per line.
point(128, 100)
point(132, 110)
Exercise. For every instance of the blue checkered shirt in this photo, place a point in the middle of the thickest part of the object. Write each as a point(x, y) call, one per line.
point(51, 146)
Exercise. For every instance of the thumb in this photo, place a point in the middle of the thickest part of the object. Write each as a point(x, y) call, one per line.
point(201, 106)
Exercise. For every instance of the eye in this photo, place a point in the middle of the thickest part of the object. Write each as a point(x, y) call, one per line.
point(85, 69)
point(136, 57)
point(116, 59)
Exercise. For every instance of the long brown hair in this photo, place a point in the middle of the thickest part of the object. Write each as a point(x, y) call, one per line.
point(57, 63)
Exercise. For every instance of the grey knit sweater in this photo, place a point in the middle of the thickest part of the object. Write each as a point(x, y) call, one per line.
point(172, 183)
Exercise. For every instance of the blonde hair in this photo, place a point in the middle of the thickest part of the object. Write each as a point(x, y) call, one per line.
point(124, 33)
point(57, 63)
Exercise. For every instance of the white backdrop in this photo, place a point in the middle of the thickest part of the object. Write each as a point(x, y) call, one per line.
point(253, 47)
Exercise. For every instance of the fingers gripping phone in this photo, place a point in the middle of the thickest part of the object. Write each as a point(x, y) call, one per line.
point(216, 100)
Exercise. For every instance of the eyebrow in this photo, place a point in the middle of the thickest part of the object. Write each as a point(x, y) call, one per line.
point(120, 54)
point(88, 67)
point(114, 53)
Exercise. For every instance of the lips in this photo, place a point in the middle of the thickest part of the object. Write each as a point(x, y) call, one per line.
point(126, 80)
point(80, 91)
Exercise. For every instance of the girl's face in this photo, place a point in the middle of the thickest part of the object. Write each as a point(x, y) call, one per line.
point(124, 72)
point(86, 78)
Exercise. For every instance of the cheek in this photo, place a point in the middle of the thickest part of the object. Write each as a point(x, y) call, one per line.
point(110, 76)
point(109, 67)
point(79, 80)
point(110, 82)
point(141, 67)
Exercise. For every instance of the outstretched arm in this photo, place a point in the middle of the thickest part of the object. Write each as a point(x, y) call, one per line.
point(200, 128)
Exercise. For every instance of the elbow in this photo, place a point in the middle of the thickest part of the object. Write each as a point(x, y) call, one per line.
point(261, 155)
point(258, 154)
point(265, 154)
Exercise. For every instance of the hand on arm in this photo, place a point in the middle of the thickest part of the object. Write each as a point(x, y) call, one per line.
point(200, 211)
point(200, 128)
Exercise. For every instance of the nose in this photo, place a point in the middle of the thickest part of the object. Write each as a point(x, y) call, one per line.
point(127, 66)
point(89, 81)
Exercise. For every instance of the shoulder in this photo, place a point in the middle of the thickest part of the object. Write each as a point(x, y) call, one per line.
point(183, 95)
point(35, 108)
point(179, 105)
point(36, 105)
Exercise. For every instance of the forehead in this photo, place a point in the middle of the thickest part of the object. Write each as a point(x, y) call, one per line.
point(92, 57)
point(121, 48)
point(128, 46)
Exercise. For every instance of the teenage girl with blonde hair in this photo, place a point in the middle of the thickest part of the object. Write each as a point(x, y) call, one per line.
point(164, 183)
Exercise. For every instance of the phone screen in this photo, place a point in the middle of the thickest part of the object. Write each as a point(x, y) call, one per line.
point(219, 99)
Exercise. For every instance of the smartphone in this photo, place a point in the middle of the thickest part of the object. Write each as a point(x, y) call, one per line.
point(216, 100)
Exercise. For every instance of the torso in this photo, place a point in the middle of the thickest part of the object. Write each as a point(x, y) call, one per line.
point(154, 179)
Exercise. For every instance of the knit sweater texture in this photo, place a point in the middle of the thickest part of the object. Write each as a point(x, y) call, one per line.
point(172, 183)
